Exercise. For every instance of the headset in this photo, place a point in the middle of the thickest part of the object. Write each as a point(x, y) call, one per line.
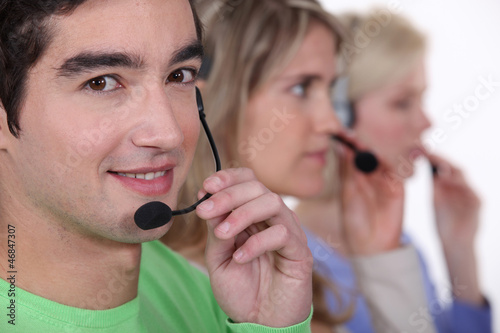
point(364, 161)
point(343, 106)
point(156, 214)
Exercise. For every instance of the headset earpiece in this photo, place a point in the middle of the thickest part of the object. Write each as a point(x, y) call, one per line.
point(344, 108)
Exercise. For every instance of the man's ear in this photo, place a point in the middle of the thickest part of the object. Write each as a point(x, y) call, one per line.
point(5, 134)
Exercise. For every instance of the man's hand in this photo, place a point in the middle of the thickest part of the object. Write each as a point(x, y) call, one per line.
point(257, 257)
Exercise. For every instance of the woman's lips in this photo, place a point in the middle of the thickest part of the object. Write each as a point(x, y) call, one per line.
point(318, 156)
point(416, 153)
point(154, 183)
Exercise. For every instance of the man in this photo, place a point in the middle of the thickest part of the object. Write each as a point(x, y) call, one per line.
point(98, 117)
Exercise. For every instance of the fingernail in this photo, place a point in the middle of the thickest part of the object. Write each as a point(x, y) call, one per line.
point(201, 194)
point(224, 227)
point(238, 255)
point(213, 182)
point(206, 206)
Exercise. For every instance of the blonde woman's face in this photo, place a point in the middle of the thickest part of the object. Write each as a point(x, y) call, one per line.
point(288, 123)
point(390, 121)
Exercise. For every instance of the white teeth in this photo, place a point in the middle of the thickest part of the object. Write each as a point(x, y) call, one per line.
point(146, 176)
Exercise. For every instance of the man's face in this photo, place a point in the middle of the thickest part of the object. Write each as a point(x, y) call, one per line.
point(109, 120)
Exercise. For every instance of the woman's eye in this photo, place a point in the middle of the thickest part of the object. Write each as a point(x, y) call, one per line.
point(299, 90)
point(103, 83)
point(403, 104)
point(182, 76)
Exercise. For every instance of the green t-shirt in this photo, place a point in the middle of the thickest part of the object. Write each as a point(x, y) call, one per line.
point(173, 297)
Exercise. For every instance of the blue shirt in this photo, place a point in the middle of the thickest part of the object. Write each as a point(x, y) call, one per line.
point(457, 317)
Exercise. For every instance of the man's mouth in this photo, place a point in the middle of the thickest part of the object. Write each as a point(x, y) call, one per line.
point(145, 176)
point(152, 183)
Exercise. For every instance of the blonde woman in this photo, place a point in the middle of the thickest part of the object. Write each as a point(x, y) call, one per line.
point(267, 96)
point(267, 91)
point(386, 81)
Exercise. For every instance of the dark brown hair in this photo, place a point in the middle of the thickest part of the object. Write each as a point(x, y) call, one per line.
point(24, 36)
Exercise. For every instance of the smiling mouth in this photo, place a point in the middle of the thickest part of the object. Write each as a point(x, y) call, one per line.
point(145, 176)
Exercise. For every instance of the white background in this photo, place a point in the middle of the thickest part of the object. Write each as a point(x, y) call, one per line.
point(464, 45)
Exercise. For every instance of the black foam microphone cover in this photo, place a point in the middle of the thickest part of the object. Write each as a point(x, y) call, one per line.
point(152, 215)
point(365, 161)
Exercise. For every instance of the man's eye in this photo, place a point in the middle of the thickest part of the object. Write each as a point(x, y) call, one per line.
point(103, 83)
point(182, 76)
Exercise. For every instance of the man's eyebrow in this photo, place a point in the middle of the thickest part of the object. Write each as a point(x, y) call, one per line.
point(193, 50)
point(89, 61)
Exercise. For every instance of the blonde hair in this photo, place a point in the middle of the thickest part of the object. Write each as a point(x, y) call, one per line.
point(382, 48)
point(247, 43)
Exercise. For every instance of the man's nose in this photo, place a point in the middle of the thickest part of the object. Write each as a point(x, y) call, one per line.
point(157, 126)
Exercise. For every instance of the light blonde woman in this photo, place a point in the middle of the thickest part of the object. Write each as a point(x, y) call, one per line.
point(386, 81)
